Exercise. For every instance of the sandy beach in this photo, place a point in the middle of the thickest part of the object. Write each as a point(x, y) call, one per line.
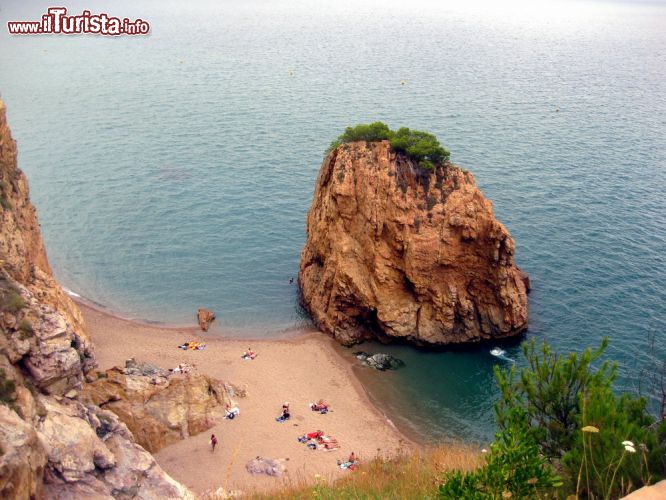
point(300, 370)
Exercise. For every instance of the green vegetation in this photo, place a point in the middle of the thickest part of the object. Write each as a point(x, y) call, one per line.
point(420, 147)
point(563, 432)
point(515, 467)
point(602, 444)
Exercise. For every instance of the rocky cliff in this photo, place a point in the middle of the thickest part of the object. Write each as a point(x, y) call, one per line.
point(158, 407)
point(394, 251)
point(52, 443)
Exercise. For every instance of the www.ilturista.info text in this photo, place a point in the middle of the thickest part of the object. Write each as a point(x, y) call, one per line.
point(56, 21)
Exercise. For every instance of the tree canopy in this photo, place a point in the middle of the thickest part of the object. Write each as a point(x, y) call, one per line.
point(421, 147)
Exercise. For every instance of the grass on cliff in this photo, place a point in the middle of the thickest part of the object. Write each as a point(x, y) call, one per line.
point(421, 147)
point(410, 476)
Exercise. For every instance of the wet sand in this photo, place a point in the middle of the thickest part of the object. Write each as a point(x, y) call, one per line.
point(299, 369)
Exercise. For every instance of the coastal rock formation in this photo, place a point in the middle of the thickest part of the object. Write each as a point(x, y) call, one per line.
point(22, 252)
point(205, 318)
point(159, 408)
point(52, 445)
point(397, 252)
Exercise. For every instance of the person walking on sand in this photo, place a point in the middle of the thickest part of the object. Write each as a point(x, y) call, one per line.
point(213, 442)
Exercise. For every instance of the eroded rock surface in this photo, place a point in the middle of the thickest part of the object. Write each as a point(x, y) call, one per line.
point(52, 445)
point(396, 252)
point(159, 408)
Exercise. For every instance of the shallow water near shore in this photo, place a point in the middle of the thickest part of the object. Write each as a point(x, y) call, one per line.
point(175, 171)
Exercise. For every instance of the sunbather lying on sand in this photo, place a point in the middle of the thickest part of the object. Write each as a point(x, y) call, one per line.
point(249, 354)
point(182, 368)
point(319, 440)
point(319, 406)
point(194, 346)
point(232, 412)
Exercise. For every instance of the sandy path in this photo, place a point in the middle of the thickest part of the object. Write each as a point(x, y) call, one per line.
point(298, 370)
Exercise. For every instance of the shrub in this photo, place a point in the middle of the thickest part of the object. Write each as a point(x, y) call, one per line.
point(548, 389)
point(514, 467)
point(615, 448)
point(608, 444)
point(421, 147)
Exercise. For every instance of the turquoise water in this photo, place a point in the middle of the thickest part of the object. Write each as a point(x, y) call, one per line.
point(175, 171)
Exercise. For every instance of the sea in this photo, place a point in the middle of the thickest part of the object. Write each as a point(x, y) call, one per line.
point(175, 170)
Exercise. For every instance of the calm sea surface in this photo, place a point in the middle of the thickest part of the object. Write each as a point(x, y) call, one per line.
point(175, 170)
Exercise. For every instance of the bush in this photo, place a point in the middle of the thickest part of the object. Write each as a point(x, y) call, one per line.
point(549, 389)
point(514, 468)
point(616, 449)
point(421, 147)
point(608, 444)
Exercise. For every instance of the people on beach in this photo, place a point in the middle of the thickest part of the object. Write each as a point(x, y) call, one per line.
point(249, 354)
point(231, 412)
point(213, 442)
point(285, 413)
point(352, 462)
point(291, 281)
point(320, 406)
point(182, 368)
point(193, 346)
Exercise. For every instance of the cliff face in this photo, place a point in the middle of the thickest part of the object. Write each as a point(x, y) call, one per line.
point(53, 444)
point(22, 252)
point(396, 252)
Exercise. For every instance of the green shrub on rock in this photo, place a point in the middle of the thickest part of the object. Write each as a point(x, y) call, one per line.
point(421, 147)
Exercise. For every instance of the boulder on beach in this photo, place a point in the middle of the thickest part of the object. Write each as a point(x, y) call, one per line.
point(205, 318)
point(379, 361)
point(260, 465)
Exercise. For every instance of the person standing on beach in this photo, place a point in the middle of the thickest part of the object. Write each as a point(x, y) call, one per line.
point(213, 442)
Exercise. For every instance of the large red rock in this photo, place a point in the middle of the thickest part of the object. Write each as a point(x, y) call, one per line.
point(394, 251)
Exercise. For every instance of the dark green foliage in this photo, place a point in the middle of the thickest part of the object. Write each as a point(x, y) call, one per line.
point(7, 389)
point(514, 468)
point(372, 132)
point(579, 422)
point(421, 147)
point(549, 388)
point(598, 463)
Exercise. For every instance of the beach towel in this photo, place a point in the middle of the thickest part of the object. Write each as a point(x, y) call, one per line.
point(193, 346)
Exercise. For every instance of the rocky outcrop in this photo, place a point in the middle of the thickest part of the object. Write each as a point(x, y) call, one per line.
point(52, 445)
point(205, 318)
point(159, 408)
point(397, 252)
point(22, 252)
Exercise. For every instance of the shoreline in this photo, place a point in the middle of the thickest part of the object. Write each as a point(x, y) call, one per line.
point(299, 368)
